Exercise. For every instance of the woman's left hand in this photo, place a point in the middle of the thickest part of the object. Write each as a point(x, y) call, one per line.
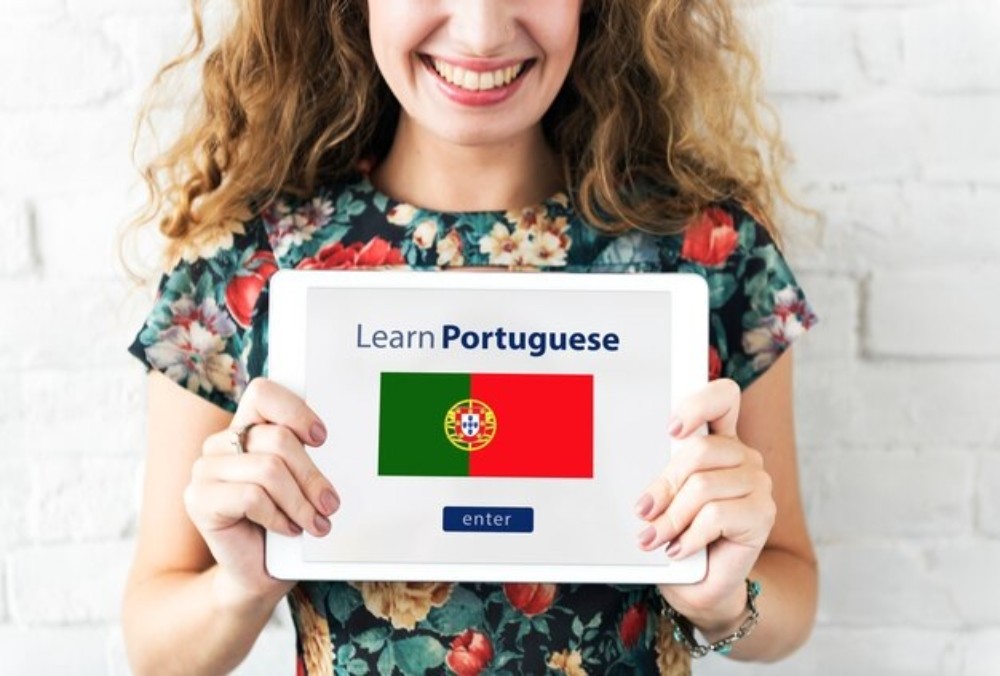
point(714, 492)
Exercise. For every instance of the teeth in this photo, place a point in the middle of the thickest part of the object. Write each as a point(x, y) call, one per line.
point(475, 81)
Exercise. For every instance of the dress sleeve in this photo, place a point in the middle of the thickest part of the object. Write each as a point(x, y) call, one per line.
point(757, 308)
point(207, 330)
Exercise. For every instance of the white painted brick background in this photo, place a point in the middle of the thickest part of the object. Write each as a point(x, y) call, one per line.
point(891, 108)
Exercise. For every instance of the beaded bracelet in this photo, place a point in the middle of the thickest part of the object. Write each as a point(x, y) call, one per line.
point(684, 630)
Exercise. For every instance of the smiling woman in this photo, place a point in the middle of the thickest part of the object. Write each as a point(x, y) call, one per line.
point(597, 136)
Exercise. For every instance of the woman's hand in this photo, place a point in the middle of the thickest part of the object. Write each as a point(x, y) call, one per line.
point(233, 497)
point(714, 492)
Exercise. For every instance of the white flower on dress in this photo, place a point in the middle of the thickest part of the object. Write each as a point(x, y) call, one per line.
point(449, 250)
point(548, 250)
point(192, 351)
point(401, 214)
point(569, 662)
point(776, 331)
point(425, 234)
point(547, 238)
point(207, 243)
point(290, 228)
point(508, 248)
point(314, 214)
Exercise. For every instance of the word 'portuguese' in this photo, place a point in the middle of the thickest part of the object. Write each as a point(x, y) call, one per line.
point(536, 343)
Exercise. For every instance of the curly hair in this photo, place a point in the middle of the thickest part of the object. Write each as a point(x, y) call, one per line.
point(649, 130)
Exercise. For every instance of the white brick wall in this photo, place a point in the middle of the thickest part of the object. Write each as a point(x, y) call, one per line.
point(891, 108)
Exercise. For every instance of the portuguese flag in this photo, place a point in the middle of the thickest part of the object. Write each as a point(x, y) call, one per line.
point(486, 424)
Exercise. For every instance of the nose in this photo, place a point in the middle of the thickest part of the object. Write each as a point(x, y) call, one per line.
point(483, 27)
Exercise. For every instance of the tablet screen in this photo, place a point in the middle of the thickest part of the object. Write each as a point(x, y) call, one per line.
point(495, 426)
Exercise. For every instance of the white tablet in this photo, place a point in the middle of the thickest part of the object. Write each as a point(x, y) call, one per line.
point(487, 426)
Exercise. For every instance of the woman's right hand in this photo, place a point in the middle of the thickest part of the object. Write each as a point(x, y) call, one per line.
point(275, 485)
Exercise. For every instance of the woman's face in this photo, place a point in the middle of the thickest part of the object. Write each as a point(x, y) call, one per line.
point(474, 72)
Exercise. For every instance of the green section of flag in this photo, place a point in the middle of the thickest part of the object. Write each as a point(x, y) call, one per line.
point(411, 436)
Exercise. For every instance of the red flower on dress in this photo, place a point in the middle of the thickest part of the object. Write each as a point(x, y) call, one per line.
point(714, 363)
point(244, 289)
point(633, 625)
point(530, 599)
point(710, 238)
point(470, 652)
point(336, 256)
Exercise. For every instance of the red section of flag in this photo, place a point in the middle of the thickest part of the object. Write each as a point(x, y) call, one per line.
point(544, 426)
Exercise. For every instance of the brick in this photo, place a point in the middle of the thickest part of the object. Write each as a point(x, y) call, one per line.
point(51, 151)
point(938, 312)
point(64, 506)
point(83, 325)
point(12, 406)
point(14, 472)
point(965, 570)
point(873, 226)
point(56, 62)
point(802, 48)
point(83, 412)
point(853, 223)
point(70, 650)
point(897, 405)
point(956, 142)
point(84, 226)
point(68, 584)
point(3, 593)
point(117, 654)
point(824, 403)
point(126, 6)
point(17, 255)
point(878, 43)
point(835, 301)
point(147, 42)
point(987, 495)
point(865, 138)
point(980, 652)
point(872, 584)
point(952, 46)
point(866, 4)
point(900, 494)
point(946, 223)
point(32, 6)
point(867, 652)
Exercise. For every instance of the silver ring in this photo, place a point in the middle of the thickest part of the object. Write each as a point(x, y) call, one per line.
point(240, 438)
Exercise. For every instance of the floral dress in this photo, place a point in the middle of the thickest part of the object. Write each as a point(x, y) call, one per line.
point(208, 332)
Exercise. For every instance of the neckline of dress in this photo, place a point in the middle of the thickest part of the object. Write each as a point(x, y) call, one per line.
point(558, 199)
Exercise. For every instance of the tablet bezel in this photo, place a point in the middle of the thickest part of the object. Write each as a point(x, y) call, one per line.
point(286, 366)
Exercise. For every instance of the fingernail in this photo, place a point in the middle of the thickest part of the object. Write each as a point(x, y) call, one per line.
point(322, 523)
point(674, 549)
point(295, 528)
point(675, 427)
point(647, 535)
point(318, 433)
point(644, 505)
point(329, 501)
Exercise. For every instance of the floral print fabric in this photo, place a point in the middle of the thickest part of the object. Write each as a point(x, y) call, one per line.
point(207, 331)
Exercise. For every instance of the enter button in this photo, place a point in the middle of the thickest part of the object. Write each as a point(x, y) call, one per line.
point(489, 519)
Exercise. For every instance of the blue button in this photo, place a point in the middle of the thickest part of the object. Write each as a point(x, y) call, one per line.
point(489, 519)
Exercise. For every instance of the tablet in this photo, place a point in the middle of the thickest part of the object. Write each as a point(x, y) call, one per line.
point(487, 426)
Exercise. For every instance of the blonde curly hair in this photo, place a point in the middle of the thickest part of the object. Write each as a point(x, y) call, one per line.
point(649, 130)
